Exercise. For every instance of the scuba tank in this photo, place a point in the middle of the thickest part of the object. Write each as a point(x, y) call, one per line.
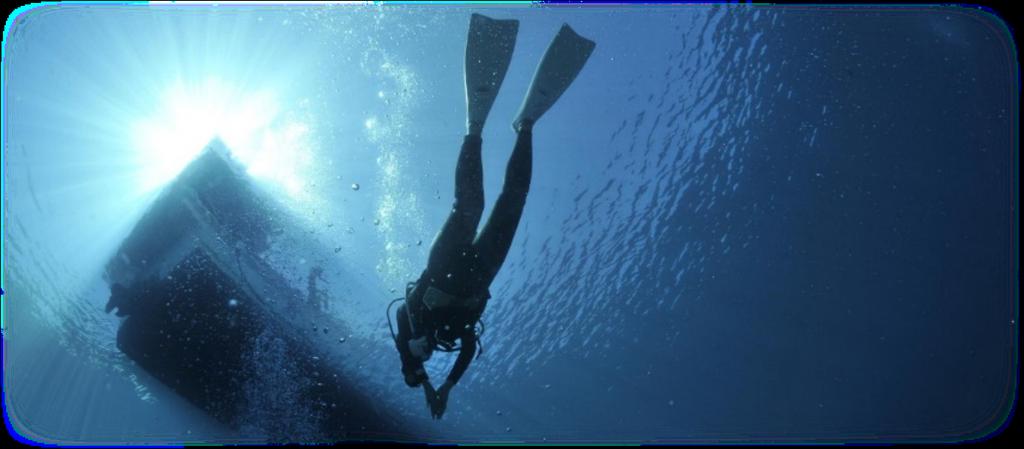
point(437, 299)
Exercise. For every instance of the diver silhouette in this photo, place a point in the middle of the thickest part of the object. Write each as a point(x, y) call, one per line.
point(446, 302)
point(315, 296)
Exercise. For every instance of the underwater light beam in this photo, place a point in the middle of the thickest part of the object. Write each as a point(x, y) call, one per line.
point(273, 148)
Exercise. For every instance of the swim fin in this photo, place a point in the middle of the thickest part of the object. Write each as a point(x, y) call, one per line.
point(562, 61)
point(488, 54)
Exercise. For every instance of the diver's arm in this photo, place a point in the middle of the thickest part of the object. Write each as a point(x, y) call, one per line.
point(417, 313)
point(415, 323)
point(461, 363)
point(464, 359)
point(468, 345)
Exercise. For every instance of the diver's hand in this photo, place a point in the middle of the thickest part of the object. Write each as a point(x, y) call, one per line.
point(441, 399)
point(430, 394)
point(420, 348)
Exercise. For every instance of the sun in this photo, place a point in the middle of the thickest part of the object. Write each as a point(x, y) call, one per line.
point(251, 124)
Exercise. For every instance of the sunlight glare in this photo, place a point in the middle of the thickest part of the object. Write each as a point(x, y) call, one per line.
point(250, 124)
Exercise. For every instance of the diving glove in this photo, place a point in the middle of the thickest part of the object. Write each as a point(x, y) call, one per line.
point(420, 348)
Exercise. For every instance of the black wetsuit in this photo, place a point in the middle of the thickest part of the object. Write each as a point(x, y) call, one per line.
point(461, 265)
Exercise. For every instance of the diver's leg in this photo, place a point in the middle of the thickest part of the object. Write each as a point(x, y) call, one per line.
point(412, 368)
point(458, 231)
point(489, 48)
point(496, 238)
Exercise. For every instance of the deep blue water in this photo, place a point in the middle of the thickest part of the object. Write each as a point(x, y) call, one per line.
point(745, 223)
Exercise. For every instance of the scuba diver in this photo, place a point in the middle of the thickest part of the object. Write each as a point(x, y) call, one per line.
point(315, 296)
point(446, 302)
